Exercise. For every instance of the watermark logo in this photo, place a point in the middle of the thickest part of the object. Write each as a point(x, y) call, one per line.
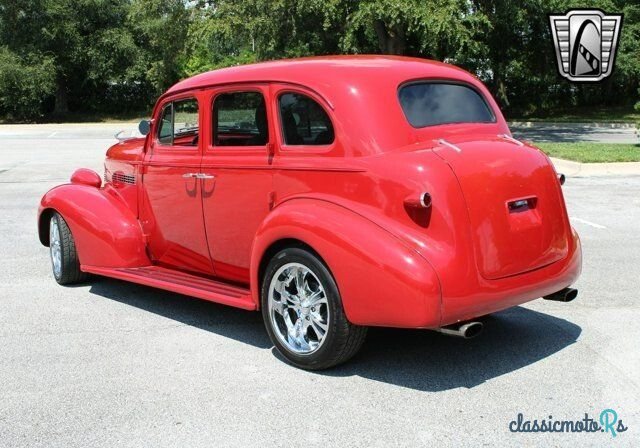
point(607, 422)
point(586, 42)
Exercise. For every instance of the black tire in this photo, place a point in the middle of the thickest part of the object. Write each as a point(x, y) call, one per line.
point(69, 272)
point(342, 339)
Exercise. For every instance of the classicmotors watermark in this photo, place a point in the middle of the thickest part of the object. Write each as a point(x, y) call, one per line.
point(607, 422)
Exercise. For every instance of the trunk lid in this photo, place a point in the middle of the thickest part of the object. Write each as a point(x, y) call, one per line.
point(516, 209)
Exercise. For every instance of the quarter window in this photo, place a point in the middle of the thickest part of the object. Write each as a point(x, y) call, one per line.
point(434, 103)
point(179, 125)
point(304, 121)
point(240, 119)
point(165, 135)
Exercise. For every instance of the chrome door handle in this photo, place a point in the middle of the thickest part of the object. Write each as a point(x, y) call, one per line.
point(189, 175)
point(205, 176)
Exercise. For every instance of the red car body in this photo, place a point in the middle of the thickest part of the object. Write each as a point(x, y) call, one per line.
point(204, 220)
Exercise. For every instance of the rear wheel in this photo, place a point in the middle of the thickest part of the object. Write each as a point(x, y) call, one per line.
point(303, 313)
point(64, 257)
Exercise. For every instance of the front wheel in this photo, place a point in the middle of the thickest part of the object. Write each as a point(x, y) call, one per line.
point(303, 312)
point(64, 257)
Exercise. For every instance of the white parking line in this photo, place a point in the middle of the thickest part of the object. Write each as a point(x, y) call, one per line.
point(52, 134)
point(589, 223)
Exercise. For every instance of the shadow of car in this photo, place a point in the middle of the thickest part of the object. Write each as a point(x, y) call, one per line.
point(415, 359)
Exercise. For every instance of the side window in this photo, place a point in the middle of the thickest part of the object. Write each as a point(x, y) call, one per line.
point(240, 119)
point(179, 125)
point(304, 121)
point(165, 134)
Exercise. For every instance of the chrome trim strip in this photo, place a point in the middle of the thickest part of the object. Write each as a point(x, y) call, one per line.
point(511, 139)
point(450, 145)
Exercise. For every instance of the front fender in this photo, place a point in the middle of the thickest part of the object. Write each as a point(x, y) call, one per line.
point(382, 281)
point(106, 232)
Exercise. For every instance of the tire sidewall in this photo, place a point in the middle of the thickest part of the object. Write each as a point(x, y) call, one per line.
point(70, 271)
point(336, 319)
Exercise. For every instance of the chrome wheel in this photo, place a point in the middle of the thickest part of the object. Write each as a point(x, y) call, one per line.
point(55, 247)
point(298, 308)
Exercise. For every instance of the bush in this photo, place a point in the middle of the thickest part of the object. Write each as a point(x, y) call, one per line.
point(25, 84)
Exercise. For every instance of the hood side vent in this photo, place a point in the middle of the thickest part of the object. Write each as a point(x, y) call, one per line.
point(120, 177)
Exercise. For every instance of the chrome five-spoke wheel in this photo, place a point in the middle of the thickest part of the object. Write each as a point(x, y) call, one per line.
point(55, 247)
point(298, 308)
point(303, 313)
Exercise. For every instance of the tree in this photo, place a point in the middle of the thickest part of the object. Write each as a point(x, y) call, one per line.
point(24, 84)
point(100, 55)
point(160, 31)
point(84, 40)
point(228, 32)
point(439, 29)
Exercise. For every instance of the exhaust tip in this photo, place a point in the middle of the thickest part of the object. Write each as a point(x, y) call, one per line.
point(471, 330)
point(570, 295)
point(564, 295)
point(466, 330)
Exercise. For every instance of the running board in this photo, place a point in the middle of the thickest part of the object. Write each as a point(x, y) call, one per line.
point(182, 283)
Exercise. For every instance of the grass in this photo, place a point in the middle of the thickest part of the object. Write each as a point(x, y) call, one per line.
point(592, 152)
point(595, 114)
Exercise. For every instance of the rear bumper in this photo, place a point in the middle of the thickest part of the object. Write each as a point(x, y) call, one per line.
point(480, 296)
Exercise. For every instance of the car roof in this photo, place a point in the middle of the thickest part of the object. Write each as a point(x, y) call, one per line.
point(362, 91)
point(323, 73)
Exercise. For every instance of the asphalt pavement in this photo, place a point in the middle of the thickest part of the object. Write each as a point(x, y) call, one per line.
point(575, 132)
point(109, 363)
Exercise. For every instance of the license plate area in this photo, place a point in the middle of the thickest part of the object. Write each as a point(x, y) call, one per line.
point(523, 216)
point(522, 205)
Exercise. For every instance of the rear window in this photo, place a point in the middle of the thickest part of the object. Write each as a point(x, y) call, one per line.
point(434, 103)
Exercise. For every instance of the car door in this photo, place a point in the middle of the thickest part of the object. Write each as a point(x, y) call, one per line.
point(171, 215)
point(236, 196)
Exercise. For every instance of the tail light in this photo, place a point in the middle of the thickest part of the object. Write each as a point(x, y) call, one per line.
point(561, 178)
point(421, 200)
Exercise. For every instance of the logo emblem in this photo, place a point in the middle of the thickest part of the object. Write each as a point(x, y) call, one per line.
point(586, 41)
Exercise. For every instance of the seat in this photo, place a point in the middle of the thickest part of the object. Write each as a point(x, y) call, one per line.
point(261, 123)
point(324, 137)
point(290, 129)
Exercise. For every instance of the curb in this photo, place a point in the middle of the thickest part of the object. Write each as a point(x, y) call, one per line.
point(561, 124)
point(576, 169)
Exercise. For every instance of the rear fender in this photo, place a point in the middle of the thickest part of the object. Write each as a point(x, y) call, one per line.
point(106, 232)
point(382, 281)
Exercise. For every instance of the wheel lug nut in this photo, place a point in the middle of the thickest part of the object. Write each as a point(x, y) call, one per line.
point(307, 317)
point(313, 309)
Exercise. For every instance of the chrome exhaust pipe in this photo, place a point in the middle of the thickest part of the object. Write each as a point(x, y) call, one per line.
point(466, 330)
point(564, 295)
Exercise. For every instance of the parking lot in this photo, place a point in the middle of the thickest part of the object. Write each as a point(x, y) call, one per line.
point(109, 363)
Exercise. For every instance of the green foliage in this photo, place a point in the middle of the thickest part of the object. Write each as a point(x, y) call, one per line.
point(160, 30)
point(107, 56)
point(24, 84)
point(438, 29)
point(83, 41)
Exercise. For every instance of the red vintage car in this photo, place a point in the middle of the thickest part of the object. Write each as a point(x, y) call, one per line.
point(332, 194)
